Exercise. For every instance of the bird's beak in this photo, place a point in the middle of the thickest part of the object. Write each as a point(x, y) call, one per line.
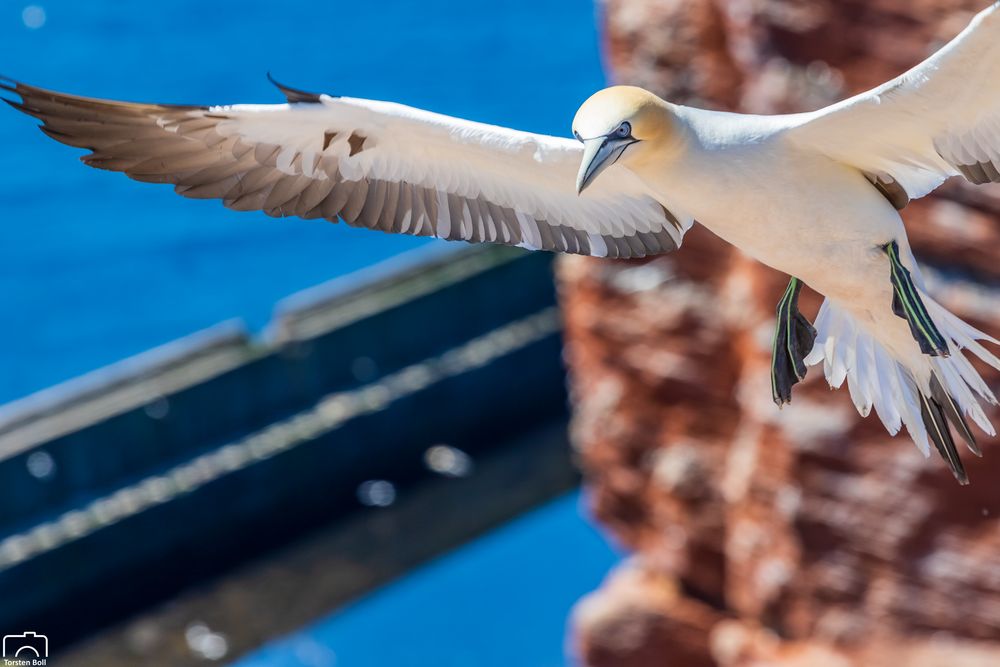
point(599, 153)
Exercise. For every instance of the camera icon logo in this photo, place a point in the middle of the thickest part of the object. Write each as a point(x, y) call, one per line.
point(26, 645)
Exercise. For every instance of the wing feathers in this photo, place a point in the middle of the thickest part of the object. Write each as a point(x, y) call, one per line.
point(370, 164)
point(937, 120)
point(293, 95)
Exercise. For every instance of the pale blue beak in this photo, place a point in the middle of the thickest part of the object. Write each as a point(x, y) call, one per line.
point(599, 153)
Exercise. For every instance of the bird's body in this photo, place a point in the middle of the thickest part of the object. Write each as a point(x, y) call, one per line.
point(793, 209)
point(814, 195)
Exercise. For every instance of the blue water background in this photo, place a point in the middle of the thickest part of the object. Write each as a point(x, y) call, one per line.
point(95, 267)
point(501, 601)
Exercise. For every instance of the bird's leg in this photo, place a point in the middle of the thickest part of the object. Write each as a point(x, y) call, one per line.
point(793, 340)
point(906, 303)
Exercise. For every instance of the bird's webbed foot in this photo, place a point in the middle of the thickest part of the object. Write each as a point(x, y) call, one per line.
point(907, 304)
point(793, 340)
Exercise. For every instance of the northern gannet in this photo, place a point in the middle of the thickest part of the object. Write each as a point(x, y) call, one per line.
point(814, 195)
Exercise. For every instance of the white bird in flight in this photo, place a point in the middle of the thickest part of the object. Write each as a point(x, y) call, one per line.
point(814, 195)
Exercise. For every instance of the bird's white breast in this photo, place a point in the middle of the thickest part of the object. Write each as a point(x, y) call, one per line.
point(797, 211)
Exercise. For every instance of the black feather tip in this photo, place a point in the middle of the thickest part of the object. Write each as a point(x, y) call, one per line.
point(294, 95)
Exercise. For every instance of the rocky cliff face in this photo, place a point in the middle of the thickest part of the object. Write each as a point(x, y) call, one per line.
point(809, 536)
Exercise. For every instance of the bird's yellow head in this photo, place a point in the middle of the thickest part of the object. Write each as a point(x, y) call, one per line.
point(621, 123)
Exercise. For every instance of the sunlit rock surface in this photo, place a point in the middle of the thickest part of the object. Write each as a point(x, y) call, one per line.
point(809, 536)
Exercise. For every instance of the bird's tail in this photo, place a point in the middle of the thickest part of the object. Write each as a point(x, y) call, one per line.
point(907, 388)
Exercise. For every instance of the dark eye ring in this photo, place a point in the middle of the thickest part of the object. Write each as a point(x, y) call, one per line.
point(624, 130)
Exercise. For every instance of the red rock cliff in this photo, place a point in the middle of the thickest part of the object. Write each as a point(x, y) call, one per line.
point(809, 536)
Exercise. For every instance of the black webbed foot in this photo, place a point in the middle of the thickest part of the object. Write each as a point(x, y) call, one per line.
point(907, 304)
point(793, 340)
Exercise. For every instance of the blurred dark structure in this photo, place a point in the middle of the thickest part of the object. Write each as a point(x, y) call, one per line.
point(809, 538)
point(125, 487)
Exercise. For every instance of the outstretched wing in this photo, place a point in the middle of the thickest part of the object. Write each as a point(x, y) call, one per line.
point(371, 164)
point(940, 119)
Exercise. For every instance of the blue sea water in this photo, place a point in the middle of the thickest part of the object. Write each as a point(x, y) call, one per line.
point(95, 267)
point(500, 601)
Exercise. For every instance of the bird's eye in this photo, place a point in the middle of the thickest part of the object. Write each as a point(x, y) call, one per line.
point(624, 130)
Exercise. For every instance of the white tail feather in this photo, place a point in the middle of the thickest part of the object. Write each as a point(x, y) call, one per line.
point(894, 385)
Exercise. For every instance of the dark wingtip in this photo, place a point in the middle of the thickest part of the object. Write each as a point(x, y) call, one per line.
point(954, 415)
point(7, 83)
point(936, 424)
point(955, 464)
point(294, 95)
point(16, 105)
